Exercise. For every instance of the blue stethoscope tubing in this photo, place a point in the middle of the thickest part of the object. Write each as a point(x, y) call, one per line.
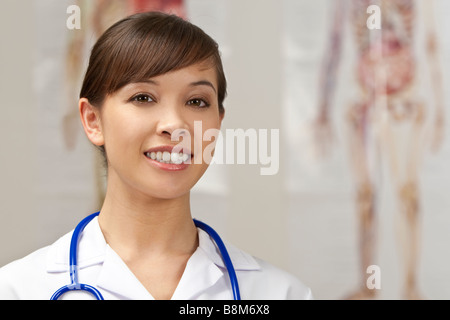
point(73, 263)
point(225, 257)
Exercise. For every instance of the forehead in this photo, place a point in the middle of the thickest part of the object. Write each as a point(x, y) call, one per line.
point(198, 73)
point(192, 72)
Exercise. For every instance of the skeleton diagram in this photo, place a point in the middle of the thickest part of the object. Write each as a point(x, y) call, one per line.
point(96, 17)
point(386, 120)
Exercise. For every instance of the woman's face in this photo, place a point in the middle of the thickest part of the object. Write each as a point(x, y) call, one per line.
point(141, 123)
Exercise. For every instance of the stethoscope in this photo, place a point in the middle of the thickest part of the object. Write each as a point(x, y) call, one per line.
point(73, 268)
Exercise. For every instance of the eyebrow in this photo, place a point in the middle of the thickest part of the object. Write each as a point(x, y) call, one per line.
point(147, 81)
point(192, 84)
point(203, 83)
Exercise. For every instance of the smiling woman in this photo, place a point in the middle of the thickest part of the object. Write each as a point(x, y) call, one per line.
point(150, 78)
point(143, 117)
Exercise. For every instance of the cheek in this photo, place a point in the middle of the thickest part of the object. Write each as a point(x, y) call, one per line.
point(122, 136)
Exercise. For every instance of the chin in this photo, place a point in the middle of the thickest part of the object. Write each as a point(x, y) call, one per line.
point(174, 188)
point(167, 191)
point(169, 185)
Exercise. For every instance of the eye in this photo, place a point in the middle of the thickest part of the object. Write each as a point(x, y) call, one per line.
point(198, 103)
point(142, 98)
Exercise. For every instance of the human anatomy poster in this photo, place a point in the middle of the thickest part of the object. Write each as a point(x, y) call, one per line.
point(365, 102)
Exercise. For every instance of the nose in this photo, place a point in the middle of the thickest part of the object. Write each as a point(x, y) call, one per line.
point(172, 124)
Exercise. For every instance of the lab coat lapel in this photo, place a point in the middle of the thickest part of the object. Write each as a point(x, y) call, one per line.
point(240, 259)
point(91, 249)
point(114, 276)
point(206, 267)
point(199, 274)
point(118, 279)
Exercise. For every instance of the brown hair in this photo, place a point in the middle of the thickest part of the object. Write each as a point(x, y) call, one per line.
point(146, 45)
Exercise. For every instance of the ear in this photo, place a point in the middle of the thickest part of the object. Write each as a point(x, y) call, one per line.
point(90, 118)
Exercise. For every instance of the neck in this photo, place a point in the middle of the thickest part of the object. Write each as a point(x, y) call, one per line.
point(136, 225)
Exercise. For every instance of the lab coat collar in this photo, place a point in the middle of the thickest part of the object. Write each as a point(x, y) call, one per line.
point(91, 249)
point(241, 260)
point(203, 270)
point(126, 285)
point(199, 274)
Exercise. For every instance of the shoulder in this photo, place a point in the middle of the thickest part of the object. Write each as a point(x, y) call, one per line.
point(28, 277)
point(18, 275)
point(260, 279)
point(274, 283)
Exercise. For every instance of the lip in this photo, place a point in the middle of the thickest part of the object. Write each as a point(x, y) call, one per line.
point(168, 166)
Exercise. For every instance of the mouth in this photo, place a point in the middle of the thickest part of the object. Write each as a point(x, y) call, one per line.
point(169, 157)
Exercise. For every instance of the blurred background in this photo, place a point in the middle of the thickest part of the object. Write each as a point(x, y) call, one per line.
point(364, 140)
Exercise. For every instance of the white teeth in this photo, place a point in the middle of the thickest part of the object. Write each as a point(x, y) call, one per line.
point(167, 157)
point(176, 158)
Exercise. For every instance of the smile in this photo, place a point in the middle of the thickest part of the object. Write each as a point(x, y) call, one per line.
point(168, 157)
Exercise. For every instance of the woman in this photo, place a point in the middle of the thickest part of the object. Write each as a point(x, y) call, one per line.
point(150, 77)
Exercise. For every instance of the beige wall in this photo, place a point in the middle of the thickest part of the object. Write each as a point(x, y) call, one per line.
point(17, 232)
point(257, 204)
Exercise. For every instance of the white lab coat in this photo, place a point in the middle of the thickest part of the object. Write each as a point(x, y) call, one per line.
point(40, 274)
